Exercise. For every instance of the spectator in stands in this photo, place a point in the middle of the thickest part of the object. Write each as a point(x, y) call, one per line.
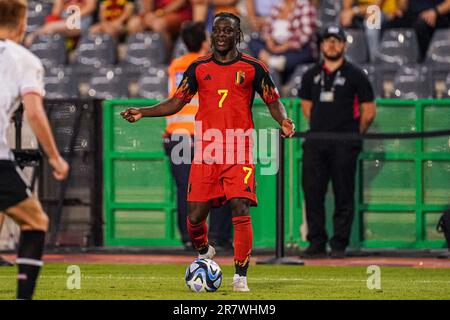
point(162, 16)
point(60, 20)
point(202, 10)
point(424, 16)
point(287, 36)
point(113, 17)
point(354, 14)
point(257, 11)
point(180, 125)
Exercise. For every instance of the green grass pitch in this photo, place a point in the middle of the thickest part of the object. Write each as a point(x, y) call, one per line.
point(162, 282)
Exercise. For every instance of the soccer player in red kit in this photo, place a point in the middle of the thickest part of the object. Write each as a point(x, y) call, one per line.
point(226, 82)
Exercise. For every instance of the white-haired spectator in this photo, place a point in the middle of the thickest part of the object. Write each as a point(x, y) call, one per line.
point(288, 36)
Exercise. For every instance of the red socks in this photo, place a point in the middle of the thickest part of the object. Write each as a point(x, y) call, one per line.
point(243, 242)
point(199, 234)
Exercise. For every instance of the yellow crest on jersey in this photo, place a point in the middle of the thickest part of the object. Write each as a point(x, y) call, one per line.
point(240, 77)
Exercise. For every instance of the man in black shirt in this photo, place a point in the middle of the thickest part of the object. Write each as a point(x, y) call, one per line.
point(336, 97)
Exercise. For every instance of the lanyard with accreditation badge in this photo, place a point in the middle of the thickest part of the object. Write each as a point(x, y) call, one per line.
point(328, 96)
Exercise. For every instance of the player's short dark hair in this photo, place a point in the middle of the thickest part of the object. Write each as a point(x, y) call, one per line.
point(12, 12)
point(193, 35)
point(236, 19)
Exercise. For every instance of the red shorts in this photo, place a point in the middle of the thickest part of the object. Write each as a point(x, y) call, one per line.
point(221, 182)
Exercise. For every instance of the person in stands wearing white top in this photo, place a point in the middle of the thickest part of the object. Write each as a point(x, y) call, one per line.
point(21, 77)
point(287, 36)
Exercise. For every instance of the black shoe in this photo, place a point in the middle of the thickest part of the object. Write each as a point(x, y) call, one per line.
point(4, 263)
point(337, 254)
point(313, 253)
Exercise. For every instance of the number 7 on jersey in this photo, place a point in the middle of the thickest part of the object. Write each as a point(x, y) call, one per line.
point(224, 94)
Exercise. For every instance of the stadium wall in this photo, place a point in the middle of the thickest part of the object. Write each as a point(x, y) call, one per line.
point(402, 185)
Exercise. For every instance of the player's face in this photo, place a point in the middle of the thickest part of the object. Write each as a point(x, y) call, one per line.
point(333, 48)
point(224, 35)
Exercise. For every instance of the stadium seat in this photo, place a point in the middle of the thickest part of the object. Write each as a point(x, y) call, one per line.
point(412, 82)
point(447, 87)
point(179, 48)
point(439, 74)
point(108, 83)
point(374, 78)
point(37, 11)
point(357, 50)
point(143, 50)
point(95, 51)
point(383, 76)
point(60, 83)
point(295, 81)
point(328, 13)
point(244, 45)
point(51, 49)
point(153, 84)
point(439, 50)
point(277, 78)
point(398, 47)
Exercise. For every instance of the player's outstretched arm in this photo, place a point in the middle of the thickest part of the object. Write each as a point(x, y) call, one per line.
point(278, 112)
point(35, 113)
point(165, 108)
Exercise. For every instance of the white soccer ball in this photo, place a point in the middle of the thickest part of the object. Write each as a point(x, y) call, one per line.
point(203, 275)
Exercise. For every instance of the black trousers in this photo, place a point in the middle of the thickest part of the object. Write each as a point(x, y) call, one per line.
point(324, 161)
point(220, 225)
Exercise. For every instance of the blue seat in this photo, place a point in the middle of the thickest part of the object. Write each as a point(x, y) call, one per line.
point(439, 49)
point(398, 47)
point(50, 49)
point(144, 50)
point(179, 49)
point(328, 13)
point(295, 82)
point(60, 83)
point(357, 49)
point(153, 84)
point(95, 51)
point(108, 83)
point(37, 11)
point(412, 82)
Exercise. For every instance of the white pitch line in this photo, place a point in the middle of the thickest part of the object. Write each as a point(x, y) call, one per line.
point(251, 279)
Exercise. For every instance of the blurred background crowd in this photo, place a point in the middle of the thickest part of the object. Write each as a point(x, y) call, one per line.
point(122, 48)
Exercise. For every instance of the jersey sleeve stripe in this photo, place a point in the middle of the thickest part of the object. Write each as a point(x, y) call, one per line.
point(247, 57)
point(36, 90)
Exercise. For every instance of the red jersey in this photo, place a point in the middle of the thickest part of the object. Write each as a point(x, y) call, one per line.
point(226, 92)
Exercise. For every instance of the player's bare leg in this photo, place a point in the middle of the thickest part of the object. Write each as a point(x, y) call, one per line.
point(33, 223)
point(243, 241)
point(198, 229)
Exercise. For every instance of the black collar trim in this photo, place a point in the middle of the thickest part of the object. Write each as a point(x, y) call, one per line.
point(238, 57)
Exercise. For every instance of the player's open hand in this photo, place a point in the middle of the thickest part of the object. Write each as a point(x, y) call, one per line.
point(288, 128)
point(60, 167)
point(131, 114)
